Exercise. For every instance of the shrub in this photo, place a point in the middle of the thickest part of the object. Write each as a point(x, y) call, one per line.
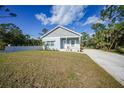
point(121, 50)
point(2, 44)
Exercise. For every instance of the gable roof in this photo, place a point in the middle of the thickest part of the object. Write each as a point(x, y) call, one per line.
point(59, 26)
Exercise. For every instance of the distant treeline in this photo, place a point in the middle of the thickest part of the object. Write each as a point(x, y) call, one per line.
point(11, 34)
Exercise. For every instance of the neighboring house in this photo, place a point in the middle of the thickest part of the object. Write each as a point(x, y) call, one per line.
point(62, 39)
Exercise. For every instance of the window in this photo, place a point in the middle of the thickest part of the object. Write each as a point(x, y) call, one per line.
point(64, 41)
point(72, 42)
point(68, 41)
point(50, 43)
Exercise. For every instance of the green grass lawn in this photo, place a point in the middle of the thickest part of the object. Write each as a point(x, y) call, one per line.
point(120, 51)
point(52, 69)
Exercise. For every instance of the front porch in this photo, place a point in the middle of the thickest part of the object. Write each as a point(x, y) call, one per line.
point(70, 44)
point(62, 43)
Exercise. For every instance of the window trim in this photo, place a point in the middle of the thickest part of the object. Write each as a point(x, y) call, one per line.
point(73, 43)
point(50, 43)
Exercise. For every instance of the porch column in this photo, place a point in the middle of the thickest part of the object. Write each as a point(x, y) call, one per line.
point(79, 42)
point(66, 43)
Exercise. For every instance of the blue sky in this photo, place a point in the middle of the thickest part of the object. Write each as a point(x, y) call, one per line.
point(32, 19)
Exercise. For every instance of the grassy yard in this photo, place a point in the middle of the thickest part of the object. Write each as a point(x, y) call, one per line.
point(119, 51)
point(52, 69)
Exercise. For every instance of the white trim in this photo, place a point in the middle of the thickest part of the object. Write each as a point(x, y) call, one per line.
point(70, 36)
point(60, 27)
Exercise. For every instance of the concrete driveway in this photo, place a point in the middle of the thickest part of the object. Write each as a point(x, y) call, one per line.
point(111, 62)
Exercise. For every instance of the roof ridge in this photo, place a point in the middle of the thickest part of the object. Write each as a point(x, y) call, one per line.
point(60, 27)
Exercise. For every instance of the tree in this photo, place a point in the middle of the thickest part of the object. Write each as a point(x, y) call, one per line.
point(44, 31)
point(27, 40)
point(120, 35)
point(12, 34)
point(100, 36)
point(114, 15)
point(85, 37)
point(109, 35)
point(2, 44)
point(33, 42)
point(6, 10)
point(98, 27)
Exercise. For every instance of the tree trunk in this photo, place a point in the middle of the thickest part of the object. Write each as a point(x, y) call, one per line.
point(116, 44)
point(114, 40)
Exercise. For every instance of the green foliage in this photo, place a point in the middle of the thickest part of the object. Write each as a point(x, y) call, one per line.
point(87, 41)
point(35, 42)
point(113, 13)
point(2, 44)
point(11, 34)
point(121, 50)
point(84, 39)
point(98, 26)
point(110, 35)
point(44, 31)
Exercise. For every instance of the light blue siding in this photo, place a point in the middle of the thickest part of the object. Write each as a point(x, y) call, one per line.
point(56, 42)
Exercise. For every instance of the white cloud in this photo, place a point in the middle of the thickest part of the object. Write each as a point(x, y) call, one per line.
point(42, 17)
point(92, 20)
point(63, 15)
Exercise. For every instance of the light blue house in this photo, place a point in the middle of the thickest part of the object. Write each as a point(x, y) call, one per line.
point(62, 39)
